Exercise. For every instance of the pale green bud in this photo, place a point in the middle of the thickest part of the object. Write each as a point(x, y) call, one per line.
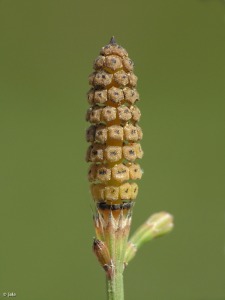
point(155, 226)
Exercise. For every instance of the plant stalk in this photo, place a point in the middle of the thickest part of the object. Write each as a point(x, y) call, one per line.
point(117, 248)
point(115, 289)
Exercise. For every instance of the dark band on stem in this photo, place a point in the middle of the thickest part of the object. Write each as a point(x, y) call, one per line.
point(125, 205)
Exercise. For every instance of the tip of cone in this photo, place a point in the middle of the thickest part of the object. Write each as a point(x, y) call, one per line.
point(113, 40)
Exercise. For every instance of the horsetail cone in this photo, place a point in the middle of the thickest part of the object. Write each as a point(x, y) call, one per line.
point(114, 132)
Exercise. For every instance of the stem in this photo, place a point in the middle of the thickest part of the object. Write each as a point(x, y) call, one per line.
point(115, 286)
point(117, 247)
point(111, 251)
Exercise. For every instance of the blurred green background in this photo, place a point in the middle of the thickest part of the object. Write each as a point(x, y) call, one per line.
point(46, 54)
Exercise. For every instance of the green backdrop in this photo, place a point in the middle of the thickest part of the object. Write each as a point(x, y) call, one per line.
point(46, 54)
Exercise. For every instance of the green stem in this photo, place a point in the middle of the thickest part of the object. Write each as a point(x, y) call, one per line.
point(115, 286)
point(117, 246)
